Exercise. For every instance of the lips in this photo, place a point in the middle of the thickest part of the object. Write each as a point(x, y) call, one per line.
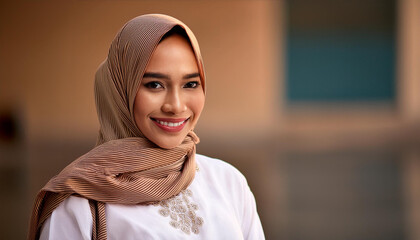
point(170, 124)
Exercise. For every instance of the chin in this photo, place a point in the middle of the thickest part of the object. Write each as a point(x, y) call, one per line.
point(169, 144)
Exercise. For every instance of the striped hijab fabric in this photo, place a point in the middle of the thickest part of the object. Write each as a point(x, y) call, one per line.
point(124, 167)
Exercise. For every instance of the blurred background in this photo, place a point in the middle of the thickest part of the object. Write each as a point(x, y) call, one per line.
point(317, 102)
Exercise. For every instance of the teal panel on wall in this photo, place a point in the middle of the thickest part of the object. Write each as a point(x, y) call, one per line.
point(340, 58)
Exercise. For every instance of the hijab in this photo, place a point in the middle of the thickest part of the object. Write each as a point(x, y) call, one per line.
point(124, 167)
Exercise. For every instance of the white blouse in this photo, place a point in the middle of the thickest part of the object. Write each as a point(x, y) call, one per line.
point(217, 205)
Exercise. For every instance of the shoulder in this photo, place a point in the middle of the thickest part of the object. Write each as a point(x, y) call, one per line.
point(74, 208)
point(72, 219)
point(74, 201)
point(215, 164)
point(216, 168)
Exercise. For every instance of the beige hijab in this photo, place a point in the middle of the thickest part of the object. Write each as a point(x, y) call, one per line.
point(124, 167)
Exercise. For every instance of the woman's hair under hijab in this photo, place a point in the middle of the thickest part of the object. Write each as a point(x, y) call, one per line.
point(177, 30)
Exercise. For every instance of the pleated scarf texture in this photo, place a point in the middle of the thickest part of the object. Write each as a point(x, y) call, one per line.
point(124, 167)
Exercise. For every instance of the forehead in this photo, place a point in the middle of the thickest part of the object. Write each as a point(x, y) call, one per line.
point(174, 41)
point(173, 52)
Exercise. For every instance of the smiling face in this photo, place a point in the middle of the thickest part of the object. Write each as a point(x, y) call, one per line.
point(170, 97)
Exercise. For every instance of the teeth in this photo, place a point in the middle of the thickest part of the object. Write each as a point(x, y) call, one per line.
point(170, 124)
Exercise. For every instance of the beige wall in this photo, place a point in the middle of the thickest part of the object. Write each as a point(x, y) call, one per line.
point(50, 52)
point(409, 103)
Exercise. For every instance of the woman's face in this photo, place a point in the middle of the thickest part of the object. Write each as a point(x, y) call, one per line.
point(170, 97)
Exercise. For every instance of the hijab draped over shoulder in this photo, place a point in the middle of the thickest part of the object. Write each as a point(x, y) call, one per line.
point(124, 167)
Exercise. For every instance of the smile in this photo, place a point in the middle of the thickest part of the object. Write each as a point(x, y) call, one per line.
point(170, 125)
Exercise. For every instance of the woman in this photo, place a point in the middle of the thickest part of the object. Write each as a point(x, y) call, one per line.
point(144, 180)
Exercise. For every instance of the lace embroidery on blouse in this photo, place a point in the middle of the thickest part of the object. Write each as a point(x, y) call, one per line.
point(182, 212)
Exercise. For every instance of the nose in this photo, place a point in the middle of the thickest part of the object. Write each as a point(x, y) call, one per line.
point(174, 103)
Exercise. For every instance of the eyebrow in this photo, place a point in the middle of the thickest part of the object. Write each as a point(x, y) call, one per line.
point(191, 75)
point(165, 76)
point(155, 75)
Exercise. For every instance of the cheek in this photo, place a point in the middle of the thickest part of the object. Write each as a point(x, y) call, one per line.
point(197, 104)
point(143, 106)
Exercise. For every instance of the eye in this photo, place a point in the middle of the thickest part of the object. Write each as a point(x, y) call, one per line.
point(192, 84)
point(153, 85)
